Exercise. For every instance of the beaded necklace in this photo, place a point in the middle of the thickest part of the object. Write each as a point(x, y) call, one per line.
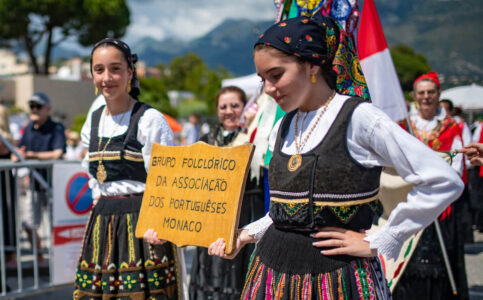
point(295, 160)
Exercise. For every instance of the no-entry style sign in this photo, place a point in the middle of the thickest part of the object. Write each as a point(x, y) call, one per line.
point(193, 193)
point(77, 194)
point(72, 199)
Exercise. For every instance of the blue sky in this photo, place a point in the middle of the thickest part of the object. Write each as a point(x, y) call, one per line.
point(187, 19)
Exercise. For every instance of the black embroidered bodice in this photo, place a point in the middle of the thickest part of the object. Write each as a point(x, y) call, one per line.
point(122, 158)
point(330, 188)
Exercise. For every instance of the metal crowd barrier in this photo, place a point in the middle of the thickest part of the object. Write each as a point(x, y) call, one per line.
point(27, 275)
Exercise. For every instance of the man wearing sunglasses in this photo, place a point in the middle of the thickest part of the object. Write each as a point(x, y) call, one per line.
point(43, 139)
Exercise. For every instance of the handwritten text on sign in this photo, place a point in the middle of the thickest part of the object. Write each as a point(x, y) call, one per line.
point(193, 193)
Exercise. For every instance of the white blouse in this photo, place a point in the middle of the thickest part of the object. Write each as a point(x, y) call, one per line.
point(152, 128)
point(373, 139)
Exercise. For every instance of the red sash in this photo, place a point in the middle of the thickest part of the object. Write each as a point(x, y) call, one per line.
point(442, 137)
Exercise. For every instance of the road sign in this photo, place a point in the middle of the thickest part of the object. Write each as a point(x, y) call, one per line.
point(78, 194)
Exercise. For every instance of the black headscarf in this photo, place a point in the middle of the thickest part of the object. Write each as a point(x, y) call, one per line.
point(321, 41)
point(131, 60)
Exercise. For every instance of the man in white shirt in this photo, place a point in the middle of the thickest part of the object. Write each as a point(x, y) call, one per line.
point(426, 267)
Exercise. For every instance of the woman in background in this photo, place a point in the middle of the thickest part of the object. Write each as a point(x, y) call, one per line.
point(214, 277)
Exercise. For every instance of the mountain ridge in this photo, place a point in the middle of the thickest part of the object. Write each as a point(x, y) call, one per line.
point(448, 38)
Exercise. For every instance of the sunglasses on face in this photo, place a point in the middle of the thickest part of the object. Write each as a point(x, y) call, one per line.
point(35, 106)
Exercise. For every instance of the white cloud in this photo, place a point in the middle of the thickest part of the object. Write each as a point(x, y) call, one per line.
point(187, 19)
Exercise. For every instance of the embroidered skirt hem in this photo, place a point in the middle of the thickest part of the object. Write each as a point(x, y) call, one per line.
point(114, 264)
point(274, 275)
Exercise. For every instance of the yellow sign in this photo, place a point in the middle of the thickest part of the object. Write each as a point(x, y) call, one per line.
point(193, 193)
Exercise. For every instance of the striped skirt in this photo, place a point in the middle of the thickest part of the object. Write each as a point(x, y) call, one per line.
point(114, 264)
point(285, 265)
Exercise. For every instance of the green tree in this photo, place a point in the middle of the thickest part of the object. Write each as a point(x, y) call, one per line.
point(409, 65)
point(78, 122)
point(33, 22)
point(190, 73)
point(153, 92)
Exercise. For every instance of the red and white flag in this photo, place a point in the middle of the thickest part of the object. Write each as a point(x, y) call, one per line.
point(377, 65)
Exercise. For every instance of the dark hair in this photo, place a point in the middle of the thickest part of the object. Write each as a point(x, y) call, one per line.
point(449, 102)
point(130, 59)
point(325, 69)
point(231, 89)
point(457, 111)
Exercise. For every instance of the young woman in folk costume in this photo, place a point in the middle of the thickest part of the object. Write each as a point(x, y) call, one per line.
point(426, 275)
point(114, 264)
point(214, 277)
point(328, 152)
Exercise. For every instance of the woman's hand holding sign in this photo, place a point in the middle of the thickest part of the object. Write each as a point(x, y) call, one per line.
point(151, 237)
point(217, 248)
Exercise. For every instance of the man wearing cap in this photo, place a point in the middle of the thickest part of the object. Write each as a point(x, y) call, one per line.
point(426, 276)
point(43, 139)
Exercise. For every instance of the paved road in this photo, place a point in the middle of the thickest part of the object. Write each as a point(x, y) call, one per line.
point(474, 268)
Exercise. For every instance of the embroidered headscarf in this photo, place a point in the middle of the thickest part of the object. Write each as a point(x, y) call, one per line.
point(433, 76)
point(130, 58)
point(321, 41)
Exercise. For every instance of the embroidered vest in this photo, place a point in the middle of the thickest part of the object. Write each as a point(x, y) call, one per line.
point(330, 188)
point(122, 158)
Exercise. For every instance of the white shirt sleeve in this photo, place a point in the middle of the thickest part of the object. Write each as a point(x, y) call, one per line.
point(457, 163)
point(477, 132)
point(85, 141)
point(466, 134)
point(436, 184)
point(257, 228)
point(153, 128)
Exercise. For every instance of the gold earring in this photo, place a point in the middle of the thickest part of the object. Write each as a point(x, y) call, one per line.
point(128, 88)
point(313, 79)
point(96, 91)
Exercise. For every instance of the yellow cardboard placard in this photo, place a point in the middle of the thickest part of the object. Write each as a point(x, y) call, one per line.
point(194, 193)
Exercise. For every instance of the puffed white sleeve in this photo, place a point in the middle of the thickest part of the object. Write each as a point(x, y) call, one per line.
point(85, 141)
point(153, 128)
point(436, 184)
point(258, 228)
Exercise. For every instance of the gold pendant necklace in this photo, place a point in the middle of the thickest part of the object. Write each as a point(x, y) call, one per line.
point(295, 160)
point(101, 173)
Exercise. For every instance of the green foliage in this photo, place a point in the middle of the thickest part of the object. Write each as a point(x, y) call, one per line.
point(190, 73)
point(78, 122)
point(409, 65)
point(34, 21)
point(101, 18)
point(154, 93)
point(189, 107)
